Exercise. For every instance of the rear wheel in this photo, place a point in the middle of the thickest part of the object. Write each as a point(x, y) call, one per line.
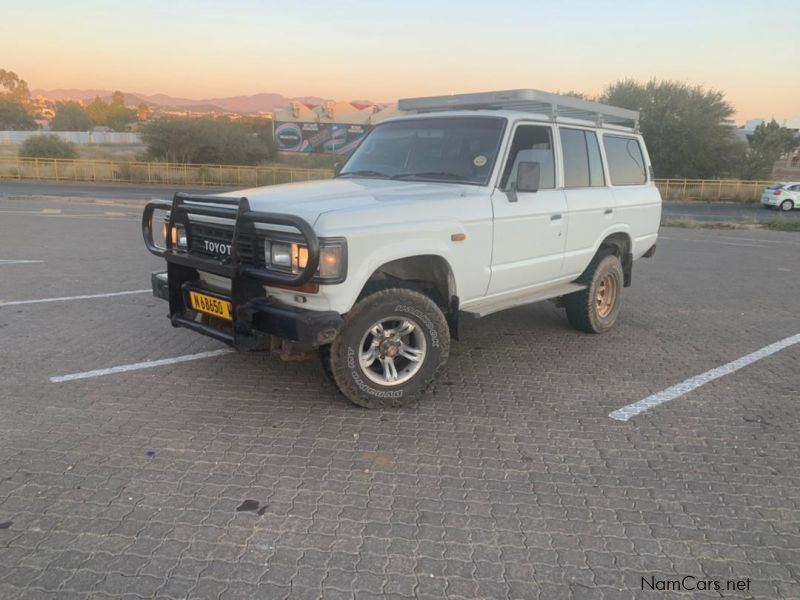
point(392, 345)
point(787, 205)
point(595, 309)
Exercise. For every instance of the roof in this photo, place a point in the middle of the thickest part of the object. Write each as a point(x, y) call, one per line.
point(551, 106)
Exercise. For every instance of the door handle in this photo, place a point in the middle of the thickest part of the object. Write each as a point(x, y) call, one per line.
point(555, 217)
point(609, 211)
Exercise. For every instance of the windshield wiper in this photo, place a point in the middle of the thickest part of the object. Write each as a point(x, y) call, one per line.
point(431, 175)
point(364, 173)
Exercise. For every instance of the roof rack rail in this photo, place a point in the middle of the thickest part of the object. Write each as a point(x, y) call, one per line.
point(554, 106)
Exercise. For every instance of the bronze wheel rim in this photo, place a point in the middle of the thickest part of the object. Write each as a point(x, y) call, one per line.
point(606, 295)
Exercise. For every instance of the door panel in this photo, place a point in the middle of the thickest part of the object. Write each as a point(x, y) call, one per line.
point(529, 233)
point(589, 202)
point(591, 212)
point(529, 239)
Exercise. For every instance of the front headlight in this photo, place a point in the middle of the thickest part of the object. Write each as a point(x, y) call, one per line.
point(294, 257)
point(280, 255)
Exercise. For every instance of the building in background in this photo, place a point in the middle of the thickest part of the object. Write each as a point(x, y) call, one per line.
point(331, 127)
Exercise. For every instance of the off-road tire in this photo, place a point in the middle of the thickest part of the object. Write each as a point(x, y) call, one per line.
point(583, 312)
point(787, 205)
point(343, 355)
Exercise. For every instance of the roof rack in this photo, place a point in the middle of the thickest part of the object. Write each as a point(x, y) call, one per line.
point(554, 106)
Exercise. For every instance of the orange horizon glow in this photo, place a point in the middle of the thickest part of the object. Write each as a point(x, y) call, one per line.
point(349, 51)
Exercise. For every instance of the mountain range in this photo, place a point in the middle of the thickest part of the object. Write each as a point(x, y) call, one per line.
point(263, 102)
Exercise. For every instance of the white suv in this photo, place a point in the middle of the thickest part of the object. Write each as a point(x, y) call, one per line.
point(784, 196)
point(469, 205)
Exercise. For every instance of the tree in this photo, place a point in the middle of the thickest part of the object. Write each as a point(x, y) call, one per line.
point(204, 141)
point(13, 116)
point(97, 111)
point(143, 112)
point(684, 127)
point(70, 116)
point(14, 88)
point(114, 115)
point(119, 117)
point(766, 145)
point(47, 146)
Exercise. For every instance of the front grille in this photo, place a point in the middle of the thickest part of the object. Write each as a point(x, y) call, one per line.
point(251, 250)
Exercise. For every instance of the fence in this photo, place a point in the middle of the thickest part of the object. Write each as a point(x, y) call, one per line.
point(184, 174)
point(711, 189)
point(151, 172)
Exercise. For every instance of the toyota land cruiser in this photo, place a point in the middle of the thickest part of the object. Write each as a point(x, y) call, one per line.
point(468, 205)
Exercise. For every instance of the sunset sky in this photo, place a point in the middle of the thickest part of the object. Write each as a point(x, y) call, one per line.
point(346, 49)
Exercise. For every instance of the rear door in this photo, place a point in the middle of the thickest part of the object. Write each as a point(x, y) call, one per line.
point(590, 203)
point(529, 230)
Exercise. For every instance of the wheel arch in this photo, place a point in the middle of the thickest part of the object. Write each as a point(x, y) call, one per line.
point(619, 243)
point(430, 272)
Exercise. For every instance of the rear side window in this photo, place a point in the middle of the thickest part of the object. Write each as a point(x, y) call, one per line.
point(583, 166)
point(625, 160)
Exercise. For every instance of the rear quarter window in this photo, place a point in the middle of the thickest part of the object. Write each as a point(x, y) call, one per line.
point(625, 160)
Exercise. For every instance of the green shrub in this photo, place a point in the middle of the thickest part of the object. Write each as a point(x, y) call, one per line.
point(206, 141)
point(47, 146)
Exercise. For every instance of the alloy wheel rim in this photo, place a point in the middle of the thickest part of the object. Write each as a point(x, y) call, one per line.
point(606, 295)
point(392, 350)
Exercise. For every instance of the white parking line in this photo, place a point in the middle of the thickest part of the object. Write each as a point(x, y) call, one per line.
point(19, 262)
point(684, 387)
point(67, 298)
point(138, 366)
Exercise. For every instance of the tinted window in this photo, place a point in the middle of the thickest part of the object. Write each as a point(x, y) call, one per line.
point(596, 175)
point(456, 149)
point(576, 159)
point(583, 166)
point(625, 160)
point(533, 143)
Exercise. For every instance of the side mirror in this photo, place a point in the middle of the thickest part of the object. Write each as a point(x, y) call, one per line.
point(337, 167)
point(528, 176)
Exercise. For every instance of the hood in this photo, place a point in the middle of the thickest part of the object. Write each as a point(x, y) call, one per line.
point(311, 199)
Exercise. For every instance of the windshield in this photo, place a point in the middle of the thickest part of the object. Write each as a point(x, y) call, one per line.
point(452, 149)
point(776, 186)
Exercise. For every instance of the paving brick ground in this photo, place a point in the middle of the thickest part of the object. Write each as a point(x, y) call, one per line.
point(508, 481)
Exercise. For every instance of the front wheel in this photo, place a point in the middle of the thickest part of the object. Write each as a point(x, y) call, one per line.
point(595, 309)
point(392, 345)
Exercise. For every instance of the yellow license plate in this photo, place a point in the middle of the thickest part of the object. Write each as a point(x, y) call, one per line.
point(211, 306)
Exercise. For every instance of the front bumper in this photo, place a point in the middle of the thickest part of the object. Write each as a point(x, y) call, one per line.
point(254, 322)
point(255, 318)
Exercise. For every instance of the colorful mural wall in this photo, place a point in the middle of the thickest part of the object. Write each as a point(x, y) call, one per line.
point(331, 138)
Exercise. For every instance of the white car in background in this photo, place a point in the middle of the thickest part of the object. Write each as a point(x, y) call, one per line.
point(784, 195)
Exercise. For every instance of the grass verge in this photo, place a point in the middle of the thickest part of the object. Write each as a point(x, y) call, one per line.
point(777, 223)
